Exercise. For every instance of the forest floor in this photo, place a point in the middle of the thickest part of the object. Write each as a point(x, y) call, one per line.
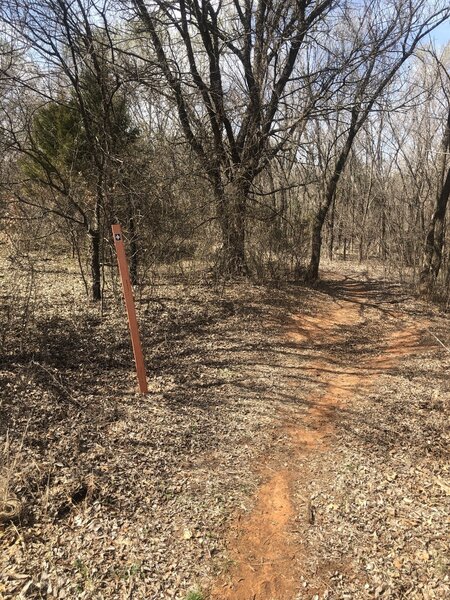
point(294, 443)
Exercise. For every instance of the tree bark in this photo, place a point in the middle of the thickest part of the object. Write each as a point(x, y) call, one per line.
point(232, 207)
point(94, 234)
point(434, 242)
point(383, 236)
point(331, 230)
point(95, 264)
point(312, 271)
point(133, 248)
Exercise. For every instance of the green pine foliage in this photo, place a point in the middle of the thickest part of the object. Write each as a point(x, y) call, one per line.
point(56, 135)
point(67, 136)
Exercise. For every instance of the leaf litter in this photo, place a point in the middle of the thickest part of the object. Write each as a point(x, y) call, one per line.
point(130, 496)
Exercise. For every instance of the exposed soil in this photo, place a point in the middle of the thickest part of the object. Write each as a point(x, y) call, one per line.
point(284, 429)
point(267, 554)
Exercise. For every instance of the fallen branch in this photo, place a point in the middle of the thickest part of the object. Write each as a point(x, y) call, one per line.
point(438, 340)
point(67, 394)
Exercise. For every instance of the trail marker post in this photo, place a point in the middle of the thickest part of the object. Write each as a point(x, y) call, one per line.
point(131, 310)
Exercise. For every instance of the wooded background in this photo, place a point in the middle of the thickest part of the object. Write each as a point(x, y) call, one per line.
point(245, 137)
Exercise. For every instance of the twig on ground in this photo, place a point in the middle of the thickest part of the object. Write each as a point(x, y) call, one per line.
point(438, 340)
point(68, 395)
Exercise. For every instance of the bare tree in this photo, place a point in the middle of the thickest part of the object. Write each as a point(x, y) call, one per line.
point(432, 258)
point(384, 36)
point(73, 56)
point(231, 71)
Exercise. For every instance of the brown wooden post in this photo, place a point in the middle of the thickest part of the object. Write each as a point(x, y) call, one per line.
point(131, 311)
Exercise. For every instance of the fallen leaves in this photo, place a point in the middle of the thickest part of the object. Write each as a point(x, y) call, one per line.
point(110, 479)
point(171, 467)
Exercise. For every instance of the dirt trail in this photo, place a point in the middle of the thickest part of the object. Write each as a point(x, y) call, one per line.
point(265, 551)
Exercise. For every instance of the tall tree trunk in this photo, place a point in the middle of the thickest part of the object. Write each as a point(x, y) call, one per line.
point(95, 264)
point(434, 242)
point(331, 230)
point(383, 236)
point(133, 248)
point(94, 234)
point(232, 207)
point(312, 271)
